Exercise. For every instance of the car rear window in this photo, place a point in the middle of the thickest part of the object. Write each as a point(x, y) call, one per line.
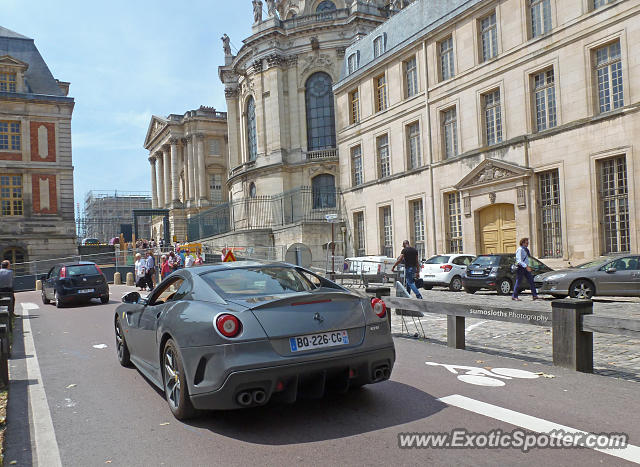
point(487, 261)
point(252, 282)
point(438, 260)
point(81, 270)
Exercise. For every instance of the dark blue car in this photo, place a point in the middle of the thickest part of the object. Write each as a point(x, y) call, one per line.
point(74, 282)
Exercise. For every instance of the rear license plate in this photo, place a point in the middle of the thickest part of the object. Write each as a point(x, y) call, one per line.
point(477, 273)
point(85, 291)
point(429, 275)
point(317, 341)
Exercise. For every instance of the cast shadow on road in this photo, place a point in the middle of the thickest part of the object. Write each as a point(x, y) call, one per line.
point(364, 410)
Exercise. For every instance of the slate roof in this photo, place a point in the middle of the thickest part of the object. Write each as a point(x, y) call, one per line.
point(38, 77)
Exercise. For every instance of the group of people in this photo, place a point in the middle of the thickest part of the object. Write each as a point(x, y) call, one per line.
point(145, 268)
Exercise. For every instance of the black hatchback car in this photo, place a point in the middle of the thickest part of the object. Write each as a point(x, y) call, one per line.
point(69, 282)
point(494, 272)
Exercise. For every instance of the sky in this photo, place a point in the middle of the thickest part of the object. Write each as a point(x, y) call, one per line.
point(126, 61)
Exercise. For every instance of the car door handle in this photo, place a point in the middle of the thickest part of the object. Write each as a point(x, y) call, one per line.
point(158, 315)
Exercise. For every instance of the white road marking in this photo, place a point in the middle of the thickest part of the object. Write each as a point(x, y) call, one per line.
point(528, 422)
point(473, 326)
point(45, 436)
point(100, 346)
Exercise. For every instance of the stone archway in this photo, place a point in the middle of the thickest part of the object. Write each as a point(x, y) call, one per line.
point(497, 229)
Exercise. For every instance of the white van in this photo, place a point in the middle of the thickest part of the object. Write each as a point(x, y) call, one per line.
point(369, 265)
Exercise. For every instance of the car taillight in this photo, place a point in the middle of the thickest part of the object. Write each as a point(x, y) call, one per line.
point(446, 267)
point(379, 307)
point(63, 272)
point(379, 268)
point(228, 325)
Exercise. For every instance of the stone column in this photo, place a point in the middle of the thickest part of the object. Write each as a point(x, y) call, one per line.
point(195, 168)
point(166, 160)
point(159, 176)
point(175, 172)
point(202, 172)
point(189, 172)
point(154, 183)
point(185, 168)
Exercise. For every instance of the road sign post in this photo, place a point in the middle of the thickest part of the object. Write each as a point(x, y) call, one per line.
point(332, 219)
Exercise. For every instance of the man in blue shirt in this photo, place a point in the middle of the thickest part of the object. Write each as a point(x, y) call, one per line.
point(151, 270)
point(523, 270)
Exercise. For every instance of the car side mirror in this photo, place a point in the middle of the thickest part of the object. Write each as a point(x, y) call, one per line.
point(611, 270)
point(131, 297)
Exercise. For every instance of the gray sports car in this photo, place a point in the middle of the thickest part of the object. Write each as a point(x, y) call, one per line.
point(238, 335)
point(612, 275)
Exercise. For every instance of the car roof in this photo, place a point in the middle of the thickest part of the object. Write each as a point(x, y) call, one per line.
point(76, 263)
point(236, 265)
point(497, 254)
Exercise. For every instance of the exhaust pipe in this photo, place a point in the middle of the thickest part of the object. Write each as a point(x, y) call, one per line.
point(259, 396)
point(244, 398)
point(377, 374)
point(386, 373)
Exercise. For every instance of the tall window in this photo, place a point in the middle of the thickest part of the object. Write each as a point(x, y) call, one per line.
point(252, 140)
point(214, 147)
point(324, 6)
point(323, 188)
point(381, 93)
point(7, 82)
point(353, 62)
point(378, 46)
point(356, 166)
point(215, 188)
point(549, 187)
point(10, 136)
point(450, 132)
point(358, 233)
point(489, 35)
point(321, 131)
point(384, 161)
point(614, 205)
point(492, 117)
point(11, 195)
point(417, 223)
point(252, 190)
point(545, 96)
point(446, 58)
point(386, 233)
point(354, 107)
point(411, 76)
point(598, 3)
point(413, 143)
point(540, 12)
point(455, 223)
point(609, 73)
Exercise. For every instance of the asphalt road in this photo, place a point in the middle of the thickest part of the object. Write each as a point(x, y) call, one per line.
point(104, 414)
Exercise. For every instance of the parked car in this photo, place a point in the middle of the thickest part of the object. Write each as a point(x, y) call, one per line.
point(445, 271)
point(371, 265)
point(238, 335)
point(91, 241)
point(612, 275)
point(495, 272)
point(69, 282)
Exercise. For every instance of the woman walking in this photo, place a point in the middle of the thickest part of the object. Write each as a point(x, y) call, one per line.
point(165, 269)
point(140, 271)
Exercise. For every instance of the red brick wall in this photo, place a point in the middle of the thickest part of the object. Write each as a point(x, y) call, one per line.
point(53, 198)
point(9, 156)
point(51, 138)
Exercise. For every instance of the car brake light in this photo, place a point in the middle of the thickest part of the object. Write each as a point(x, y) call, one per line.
point(228, 325)
point(379, 307)
point(446, 267)
point(63, 272)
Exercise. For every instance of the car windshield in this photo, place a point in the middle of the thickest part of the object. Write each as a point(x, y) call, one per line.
point(438, 260)
point(252, 282)
point(590, 264)
point(487, 261)
point(81, 270)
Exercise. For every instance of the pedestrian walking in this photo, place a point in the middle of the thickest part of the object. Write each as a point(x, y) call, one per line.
point(411, 272)
point(523, 269)
point(6, 283)
point(150, 270)
point(189, 260)
point(140, 268)
point(199, 260)
point(165, 269)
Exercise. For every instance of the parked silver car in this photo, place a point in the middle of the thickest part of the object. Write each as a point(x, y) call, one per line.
point(612, 275)
point(238, 335)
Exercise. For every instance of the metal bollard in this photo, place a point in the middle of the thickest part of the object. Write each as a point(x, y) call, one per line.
point(130, 279)
point(38, 284)
point(117, 279)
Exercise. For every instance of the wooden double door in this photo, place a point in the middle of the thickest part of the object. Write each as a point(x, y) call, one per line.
point(498, 229)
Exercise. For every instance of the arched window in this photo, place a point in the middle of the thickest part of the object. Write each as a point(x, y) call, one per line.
point(17, 257)
point(323, 188)
point(252, 141)
point(321, 130)
point(326, 5)
point(252, 190)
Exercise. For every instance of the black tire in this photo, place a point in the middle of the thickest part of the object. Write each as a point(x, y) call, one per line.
point(57, 300)
point(471, 290)
point(456, 284)
point(504, 287)
point(104, 300)
point(555, 295)
point(582, 288)
point(175, 386)
point(427, 287)
point(124, 357)
point(45, 300)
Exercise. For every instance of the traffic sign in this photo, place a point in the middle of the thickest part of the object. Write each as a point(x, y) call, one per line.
point(331, 218)
point(229, 257)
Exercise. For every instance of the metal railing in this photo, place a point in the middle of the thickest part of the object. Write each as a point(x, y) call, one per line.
point(305, 20)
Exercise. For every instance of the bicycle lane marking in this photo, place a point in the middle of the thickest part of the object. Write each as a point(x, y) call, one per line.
point(47, 451)
point(630, 453)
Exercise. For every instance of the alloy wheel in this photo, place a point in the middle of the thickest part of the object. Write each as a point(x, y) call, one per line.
point(456, 284)
point(582, 289)
point(171, 378)
point(119, 341)
point(505, 287)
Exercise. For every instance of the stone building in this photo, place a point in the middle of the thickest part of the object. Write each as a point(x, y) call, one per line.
point(188, 157)
point(468, 124)
point(283, 155)
point(109, 214)
point(36, 171)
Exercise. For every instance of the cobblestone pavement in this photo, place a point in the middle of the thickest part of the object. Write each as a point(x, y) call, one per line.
point(616, 356)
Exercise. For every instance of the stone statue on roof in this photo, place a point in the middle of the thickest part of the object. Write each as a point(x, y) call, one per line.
point(226, 44)
point(257, 11)
point(271, 8)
